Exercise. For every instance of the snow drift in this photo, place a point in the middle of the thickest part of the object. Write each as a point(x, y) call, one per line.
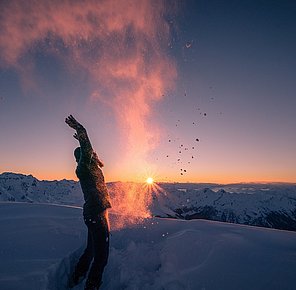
point(40, 242)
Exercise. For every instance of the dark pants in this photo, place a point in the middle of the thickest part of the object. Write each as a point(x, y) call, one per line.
point(97, 249)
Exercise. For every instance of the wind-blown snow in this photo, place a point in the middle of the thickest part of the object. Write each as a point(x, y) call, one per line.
point(39, 243)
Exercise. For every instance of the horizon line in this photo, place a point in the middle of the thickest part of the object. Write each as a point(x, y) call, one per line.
point(162, 181)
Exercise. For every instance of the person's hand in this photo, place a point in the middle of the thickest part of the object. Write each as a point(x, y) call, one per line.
point(73, 123)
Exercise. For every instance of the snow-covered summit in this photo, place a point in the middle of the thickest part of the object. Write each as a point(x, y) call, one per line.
point(26, 188)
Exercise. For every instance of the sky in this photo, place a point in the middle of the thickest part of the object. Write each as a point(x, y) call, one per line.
point(185, 91)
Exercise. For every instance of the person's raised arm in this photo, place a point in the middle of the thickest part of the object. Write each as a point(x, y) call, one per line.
point(81, 136)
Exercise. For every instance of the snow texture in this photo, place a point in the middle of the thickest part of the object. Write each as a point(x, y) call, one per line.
point(40, 243)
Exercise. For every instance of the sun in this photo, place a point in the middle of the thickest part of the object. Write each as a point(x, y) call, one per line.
point(149, 180)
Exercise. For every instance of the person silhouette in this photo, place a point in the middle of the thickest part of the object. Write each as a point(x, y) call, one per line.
point(95, 211)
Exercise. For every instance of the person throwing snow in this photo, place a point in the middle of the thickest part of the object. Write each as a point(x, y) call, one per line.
point(95, 211)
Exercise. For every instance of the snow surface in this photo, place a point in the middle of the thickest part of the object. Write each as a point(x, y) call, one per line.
point(40, 242)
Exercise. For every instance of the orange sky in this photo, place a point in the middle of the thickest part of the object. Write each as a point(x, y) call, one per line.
point(147, 79)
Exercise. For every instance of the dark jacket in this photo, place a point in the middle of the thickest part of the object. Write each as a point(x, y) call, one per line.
point(91, 179)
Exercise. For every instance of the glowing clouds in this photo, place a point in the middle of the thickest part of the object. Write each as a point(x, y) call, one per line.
point(120, 45)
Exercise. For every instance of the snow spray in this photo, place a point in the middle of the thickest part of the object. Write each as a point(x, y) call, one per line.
point(120, 46)
point(130, 204)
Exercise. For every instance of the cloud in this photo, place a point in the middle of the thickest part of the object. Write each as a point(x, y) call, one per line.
point(121, 45)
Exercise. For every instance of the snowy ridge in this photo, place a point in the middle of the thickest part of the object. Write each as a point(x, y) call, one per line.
point(26, 188)
point(267, 205)
point(270, 205)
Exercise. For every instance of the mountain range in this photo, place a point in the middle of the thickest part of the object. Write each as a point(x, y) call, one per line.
point(271, 205)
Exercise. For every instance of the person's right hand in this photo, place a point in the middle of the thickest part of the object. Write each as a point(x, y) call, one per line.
point(73, 123)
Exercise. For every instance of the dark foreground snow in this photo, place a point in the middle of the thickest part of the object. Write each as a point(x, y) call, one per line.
point(39, 243)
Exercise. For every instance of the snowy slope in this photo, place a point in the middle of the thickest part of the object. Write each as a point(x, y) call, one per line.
point(33, 238)
point(38, 244)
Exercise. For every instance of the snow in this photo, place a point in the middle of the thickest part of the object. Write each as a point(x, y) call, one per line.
point(268, 204)
point(33, 238)
point(40, 242)
point(26, 188)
